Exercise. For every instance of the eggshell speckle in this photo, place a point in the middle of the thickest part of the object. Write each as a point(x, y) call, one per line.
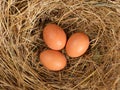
point(77, 44)
point(54, 36)
point(53, 60)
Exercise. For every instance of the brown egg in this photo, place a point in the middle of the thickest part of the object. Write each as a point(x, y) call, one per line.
point(77, 44)
point(54, 37)
point(53, 60)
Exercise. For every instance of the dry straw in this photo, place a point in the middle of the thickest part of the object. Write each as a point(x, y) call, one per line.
point(21, 26)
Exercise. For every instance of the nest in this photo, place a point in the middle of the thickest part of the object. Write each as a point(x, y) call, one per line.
point(21, 26)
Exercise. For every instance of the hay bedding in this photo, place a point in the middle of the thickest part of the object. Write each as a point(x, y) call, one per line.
point(21, 25)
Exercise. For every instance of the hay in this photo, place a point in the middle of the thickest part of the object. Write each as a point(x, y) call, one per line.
point(21, 26)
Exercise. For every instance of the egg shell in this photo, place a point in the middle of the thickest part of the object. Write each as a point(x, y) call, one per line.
point(53, 60)
point(77, 44)
point(54, 36)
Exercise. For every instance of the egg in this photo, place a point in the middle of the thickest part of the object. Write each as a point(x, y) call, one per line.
point(54, 36)
point(53, 60)
point(77, 44)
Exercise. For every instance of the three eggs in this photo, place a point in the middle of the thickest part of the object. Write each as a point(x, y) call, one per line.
point(56, 39)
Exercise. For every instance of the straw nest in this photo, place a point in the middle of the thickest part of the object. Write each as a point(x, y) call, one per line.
point(21, 26)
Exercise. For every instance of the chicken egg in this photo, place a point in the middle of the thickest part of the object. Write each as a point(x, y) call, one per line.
point(77, 44)
point(53, 60)
point(54, 36)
